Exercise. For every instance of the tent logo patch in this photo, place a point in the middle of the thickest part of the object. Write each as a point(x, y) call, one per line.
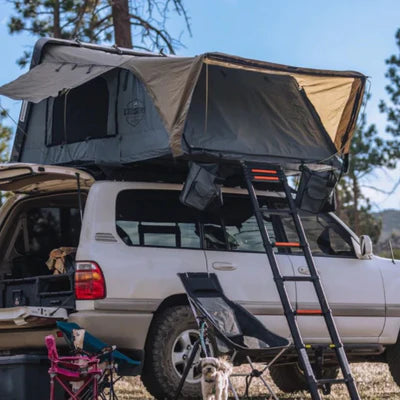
point(134, 112)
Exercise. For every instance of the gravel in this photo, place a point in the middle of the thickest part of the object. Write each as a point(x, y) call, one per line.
point(374, 382)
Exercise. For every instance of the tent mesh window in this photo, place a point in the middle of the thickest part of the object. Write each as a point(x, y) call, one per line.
point(81, 113)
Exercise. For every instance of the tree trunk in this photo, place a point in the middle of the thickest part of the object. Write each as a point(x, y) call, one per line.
point(122, 24)
point(356, 197)
point(339, 211)
point(57, 27)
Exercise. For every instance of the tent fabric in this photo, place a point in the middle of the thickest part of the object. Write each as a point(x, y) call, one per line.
point(129, 137)
point(336, 95)
point(171, 90)
point(49, 79)
point(274, 117)
point(312, 118)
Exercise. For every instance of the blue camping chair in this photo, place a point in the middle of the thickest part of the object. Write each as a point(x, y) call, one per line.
point(94, 345)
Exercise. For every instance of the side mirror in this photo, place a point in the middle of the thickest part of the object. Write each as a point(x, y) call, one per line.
point(366, 247)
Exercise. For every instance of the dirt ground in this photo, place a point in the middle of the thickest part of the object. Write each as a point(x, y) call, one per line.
point(374, 383)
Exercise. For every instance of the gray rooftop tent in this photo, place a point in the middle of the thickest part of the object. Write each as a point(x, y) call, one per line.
point(88, 104)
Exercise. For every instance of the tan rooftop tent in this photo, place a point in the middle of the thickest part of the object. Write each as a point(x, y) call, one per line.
point(212, 104)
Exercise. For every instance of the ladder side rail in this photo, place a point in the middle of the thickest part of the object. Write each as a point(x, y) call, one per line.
point(288, 310)
point(326, 310)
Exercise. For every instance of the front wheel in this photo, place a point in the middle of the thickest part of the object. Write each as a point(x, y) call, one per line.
point(172, 336)
point(290, 378)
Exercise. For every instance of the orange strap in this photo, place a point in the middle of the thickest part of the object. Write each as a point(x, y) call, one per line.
point(287, 244)
point(266, 178)
point(263, 171)
point(309, 312)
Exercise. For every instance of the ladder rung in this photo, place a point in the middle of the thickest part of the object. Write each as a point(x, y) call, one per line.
point(320, 346)
point(264, 171)
point(287, 244)
point(277, 211)
point(331, 381)
point(308, 312)
point(273, 177)
point(298, 278)
point(266, 178)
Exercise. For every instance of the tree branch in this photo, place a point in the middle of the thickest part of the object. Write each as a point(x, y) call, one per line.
point(159, 32)
point(389, 193)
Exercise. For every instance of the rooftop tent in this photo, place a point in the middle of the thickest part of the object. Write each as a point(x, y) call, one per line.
point(93, 104)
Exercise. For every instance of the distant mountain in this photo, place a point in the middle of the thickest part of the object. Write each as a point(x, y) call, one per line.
point(390, 223)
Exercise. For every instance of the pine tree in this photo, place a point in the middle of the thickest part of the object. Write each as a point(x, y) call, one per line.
point(142, 24)
point(5, 138)
point(368, 151)
point(392, 109)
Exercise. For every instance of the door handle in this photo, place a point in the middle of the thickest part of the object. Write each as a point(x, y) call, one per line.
point(223, 266)
point(303, 270)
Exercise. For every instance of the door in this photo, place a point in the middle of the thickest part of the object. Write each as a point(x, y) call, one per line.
point(235, 252)
point(354, 287)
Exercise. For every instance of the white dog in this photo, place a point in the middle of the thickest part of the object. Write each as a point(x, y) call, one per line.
point(79, 337)
point(215, 378)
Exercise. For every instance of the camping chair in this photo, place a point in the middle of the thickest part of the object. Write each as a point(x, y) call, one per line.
point(81, 371)
point(111, 359)
point(236, 331)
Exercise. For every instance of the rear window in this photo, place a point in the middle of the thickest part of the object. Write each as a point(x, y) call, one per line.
point(158, 218)
point(153, 218)
point(47, 228)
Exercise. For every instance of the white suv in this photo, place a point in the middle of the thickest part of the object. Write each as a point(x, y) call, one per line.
point(134, 239)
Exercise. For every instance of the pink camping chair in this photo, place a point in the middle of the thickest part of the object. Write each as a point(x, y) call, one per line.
point(69, 370)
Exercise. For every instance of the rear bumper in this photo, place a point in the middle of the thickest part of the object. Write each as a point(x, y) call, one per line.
point(126, 330)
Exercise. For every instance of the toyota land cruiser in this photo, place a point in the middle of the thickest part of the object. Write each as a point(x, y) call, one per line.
point(133, 240)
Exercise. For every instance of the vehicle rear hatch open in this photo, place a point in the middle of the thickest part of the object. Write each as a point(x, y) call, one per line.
point(38, 301)
point(35, 178)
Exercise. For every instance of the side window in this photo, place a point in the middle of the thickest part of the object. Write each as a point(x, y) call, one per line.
point(235, 227)
point(156, 218)
point(247, 236)
point(325, 236)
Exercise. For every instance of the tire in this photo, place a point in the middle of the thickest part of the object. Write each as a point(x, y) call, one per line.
point(161, 370)
point(290, 378)
point(393, 360)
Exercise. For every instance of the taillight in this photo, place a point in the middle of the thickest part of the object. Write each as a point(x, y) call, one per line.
point(89, 281)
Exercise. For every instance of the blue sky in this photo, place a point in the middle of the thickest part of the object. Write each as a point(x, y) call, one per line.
point(352, 34)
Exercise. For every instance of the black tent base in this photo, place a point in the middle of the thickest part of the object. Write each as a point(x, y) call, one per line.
point(169, 169)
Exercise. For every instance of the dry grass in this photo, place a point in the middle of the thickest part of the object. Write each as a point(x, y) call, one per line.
point(374, 383)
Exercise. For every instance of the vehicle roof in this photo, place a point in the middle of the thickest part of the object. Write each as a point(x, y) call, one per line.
point(117, 185)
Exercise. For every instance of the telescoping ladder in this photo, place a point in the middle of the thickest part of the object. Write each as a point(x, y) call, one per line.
point(275, 175)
